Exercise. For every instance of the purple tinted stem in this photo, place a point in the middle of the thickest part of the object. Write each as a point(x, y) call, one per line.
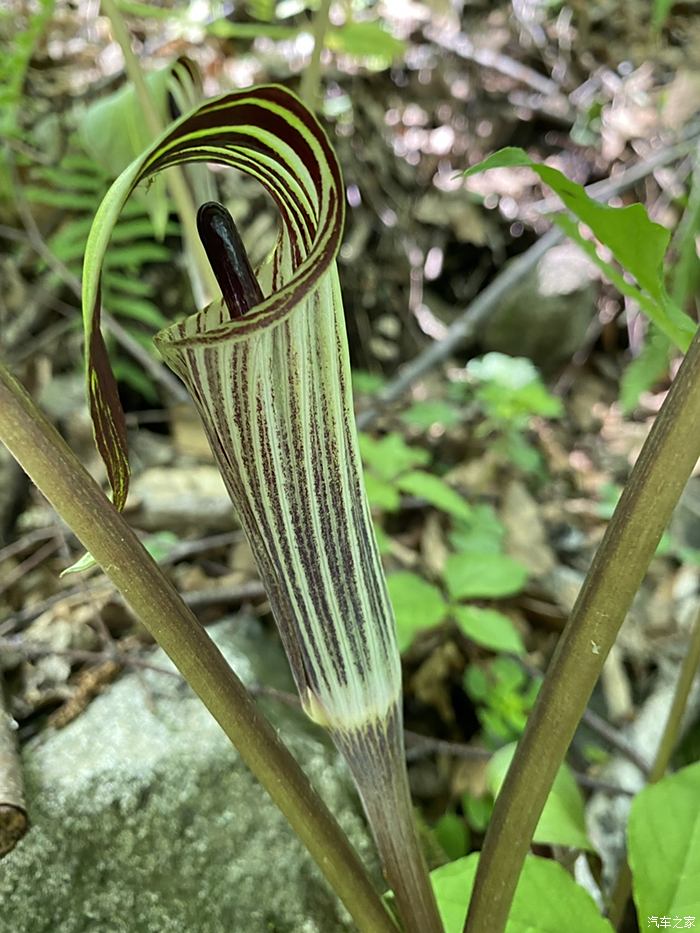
point(227, 256)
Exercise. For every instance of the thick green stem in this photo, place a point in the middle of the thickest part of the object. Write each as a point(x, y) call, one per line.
point(656, 482)
point(311, 79)
point(205, 286)
point(78, 499)
point(686, 676)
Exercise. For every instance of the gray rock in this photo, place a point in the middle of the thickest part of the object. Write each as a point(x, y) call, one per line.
point(145, 820)
point(546, 316)
point(180, 498)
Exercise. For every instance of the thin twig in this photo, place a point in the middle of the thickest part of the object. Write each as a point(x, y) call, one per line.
point(29, 563)
point(597, 724)
point(427, 746)
point(31, 649)
point(462, 46)
point(26, 541)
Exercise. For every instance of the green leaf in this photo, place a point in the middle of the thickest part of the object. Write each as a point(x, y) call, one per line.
point(478, 811)
point(137, 254)
point(159, 545)
point(482, 533)
point(431, 412)
point(134, 376)
point(661, 10)
point(113, 130)
point(664, 846)
point(65, 200)
point(139, 309)
point(562, 822)
point(452, 835)
point(390, 456)
point(511, 388)
point(638, 244)
point(118, 282)
point(364, 383)
point(383, 540)
point(366, 40)
point(685, 274)
point(489, 628)
point(483, 576)
point(417, 605)
point(645, 370)
point(509, 372)
point(547, 899)
point(225, 29)
point(436, 492)
point(381, 495)
point(86, 562)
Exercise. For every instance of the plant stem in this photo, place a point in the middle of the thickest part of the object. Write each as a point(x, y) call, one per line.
point(376, 758)
point(80, 502)
point(205, 287)
point(311, 79)
point(656, 482)
point(669, 737)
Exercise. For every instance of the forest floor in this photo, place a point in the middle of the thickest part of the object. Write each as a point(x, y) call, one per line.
point(531, 453)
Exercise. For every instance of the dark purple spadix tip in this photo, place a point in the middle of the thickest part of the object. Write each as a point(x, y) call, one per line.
point(227, 256)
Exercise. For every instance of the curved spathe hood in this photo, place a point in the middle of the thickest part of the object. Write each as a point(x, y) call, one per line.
point(273, 391)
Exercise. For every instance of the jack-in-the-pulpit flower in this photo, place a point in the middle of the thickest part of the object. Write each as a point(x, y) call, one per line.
point(268, 369)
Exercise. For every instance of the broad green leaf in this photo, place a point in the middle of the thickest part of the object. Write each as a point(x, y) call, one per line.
point(636, 242)
point(661, 9)
point(134, 376)
point(119, 282)
point(436, 492)
point(225, 29)
point(685, 274)
point(562, 822)
point(510, 372)
point(641, 374)
point(663, 836)
point(511, 387)
point(417, 605)
point(383, 540)
point(364, 383)
point(66, 200)
point(547, 899)
point(482, 533)
point(452, 834)
point(136, 255)
point(113, 130)
point(139, 309)
point(426, 414)
point(390, 456)
point(489, 628)
point(381, 495)
point(366, 40)
point(483, 576)
point(478, 811)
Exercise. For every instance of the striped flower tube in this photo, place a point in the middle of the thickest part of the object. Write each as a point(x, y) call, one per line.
point(270, 377)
